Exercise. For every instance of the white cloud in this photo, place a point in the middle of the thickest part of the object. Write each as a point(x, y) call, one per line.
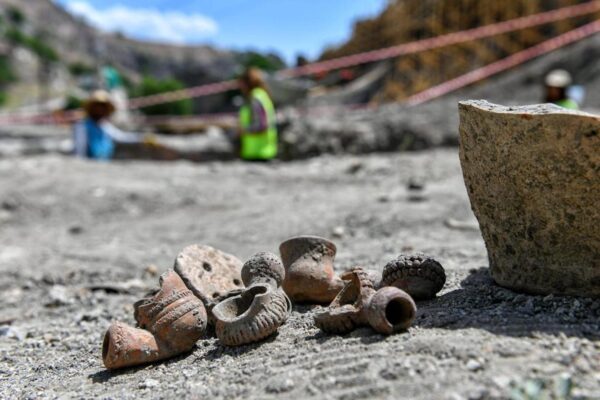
point(170, 26)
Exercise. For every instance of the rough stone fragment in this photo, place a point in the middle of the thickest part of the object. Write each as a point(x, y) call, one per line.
point(209, 273)
point(533, 177)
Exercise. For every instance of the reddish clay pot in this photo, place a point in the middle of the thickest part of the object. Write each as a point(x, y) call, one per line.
point(391, 310)
point(309, 275)
point(171, 322)
point(386, 310)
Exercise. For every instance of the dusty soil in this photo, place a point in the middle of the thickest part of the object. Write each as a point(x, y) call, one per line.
point(81, 241)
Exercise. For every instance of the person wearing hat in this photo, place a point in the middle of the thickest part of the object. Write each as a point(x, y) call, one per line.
point(94, 136)
point(557, 85)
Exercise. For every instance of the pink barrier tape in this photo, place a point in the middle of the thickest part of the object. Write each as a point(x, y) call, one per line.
point(197, 91)
point(42, 119)
point(446, 40)
point(232, 116)
point(504, 64)
point(390, 52)
point(198, 118)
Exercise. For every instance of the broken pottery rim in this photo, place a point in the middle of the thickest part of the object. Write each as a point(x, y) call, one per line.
point(170, 321)
point(379, 312)
point(550, 155)
point(303, 238)
point(261, 318)
point(263, 290)
point(485, 105)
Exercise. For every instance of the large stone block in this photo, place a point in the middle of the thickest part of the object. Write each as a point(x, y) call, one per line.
point(533, 177)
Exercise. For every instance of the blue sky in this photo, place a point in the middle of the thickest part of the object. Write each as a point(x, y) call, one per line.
point(287, 26)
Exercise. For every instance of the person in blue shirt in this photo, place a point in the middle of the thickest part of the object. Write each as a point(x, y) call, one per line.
point(94, 137)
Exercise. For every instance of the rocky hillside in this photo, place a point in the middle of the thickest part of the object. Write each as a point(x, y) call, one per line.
point(73, 48)
point(403, 21)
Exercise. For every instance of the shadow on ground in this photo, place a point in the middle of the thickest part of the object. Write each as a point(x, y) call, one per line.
point(480, 303)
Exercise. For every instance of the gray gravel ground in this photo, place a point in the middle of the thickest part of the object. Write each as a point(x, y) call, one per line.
point(82, 241)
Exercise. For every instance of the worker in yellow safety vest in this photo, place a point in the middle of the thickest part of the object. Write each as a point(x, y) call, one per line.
point(258, 131)
point(557, 84)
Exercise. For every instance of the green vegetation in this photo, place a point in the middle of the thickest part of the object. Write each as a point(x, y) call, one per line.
point(43, 50)
point(15, 36)
point(35, 44)
point(73, 103)
point(268, 62)
point(7, 75)
point(15, 15)
point(79, 68)
point(150, 86)
point(127, 83)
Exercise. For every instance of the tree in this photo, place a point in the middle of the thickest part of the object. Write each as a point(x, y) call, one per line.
point(266, 62)
point(79, 68)
point(15, 15)
point(7, 76)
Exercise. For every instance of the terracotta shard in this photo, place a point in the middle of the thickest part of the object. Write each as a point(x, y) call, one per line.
point(391, 310)
point(373, 276)
point(420, 276)
point(251, 316)
point(209, 273)
point(309, 275)
point(345, 313)
point(386, 310)
point(339, 319)
point(259, 310)
point(171, 322)
point(125, 346)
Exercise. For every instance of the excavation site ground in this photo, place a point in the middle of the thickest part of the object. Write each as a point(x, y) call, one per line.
point(82, 241)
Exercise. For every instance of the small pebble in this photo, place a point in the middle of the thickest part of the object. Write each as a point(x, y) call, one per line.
point(338, 232)
point(474, 365)
point(58, 296)
point(415, 184)
point(148, 384)
point(280, 386)
point(519, 298)
point(75, 230)
point(49, 338)
point(12, 333)
point(151, 270)
point(354, 167)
